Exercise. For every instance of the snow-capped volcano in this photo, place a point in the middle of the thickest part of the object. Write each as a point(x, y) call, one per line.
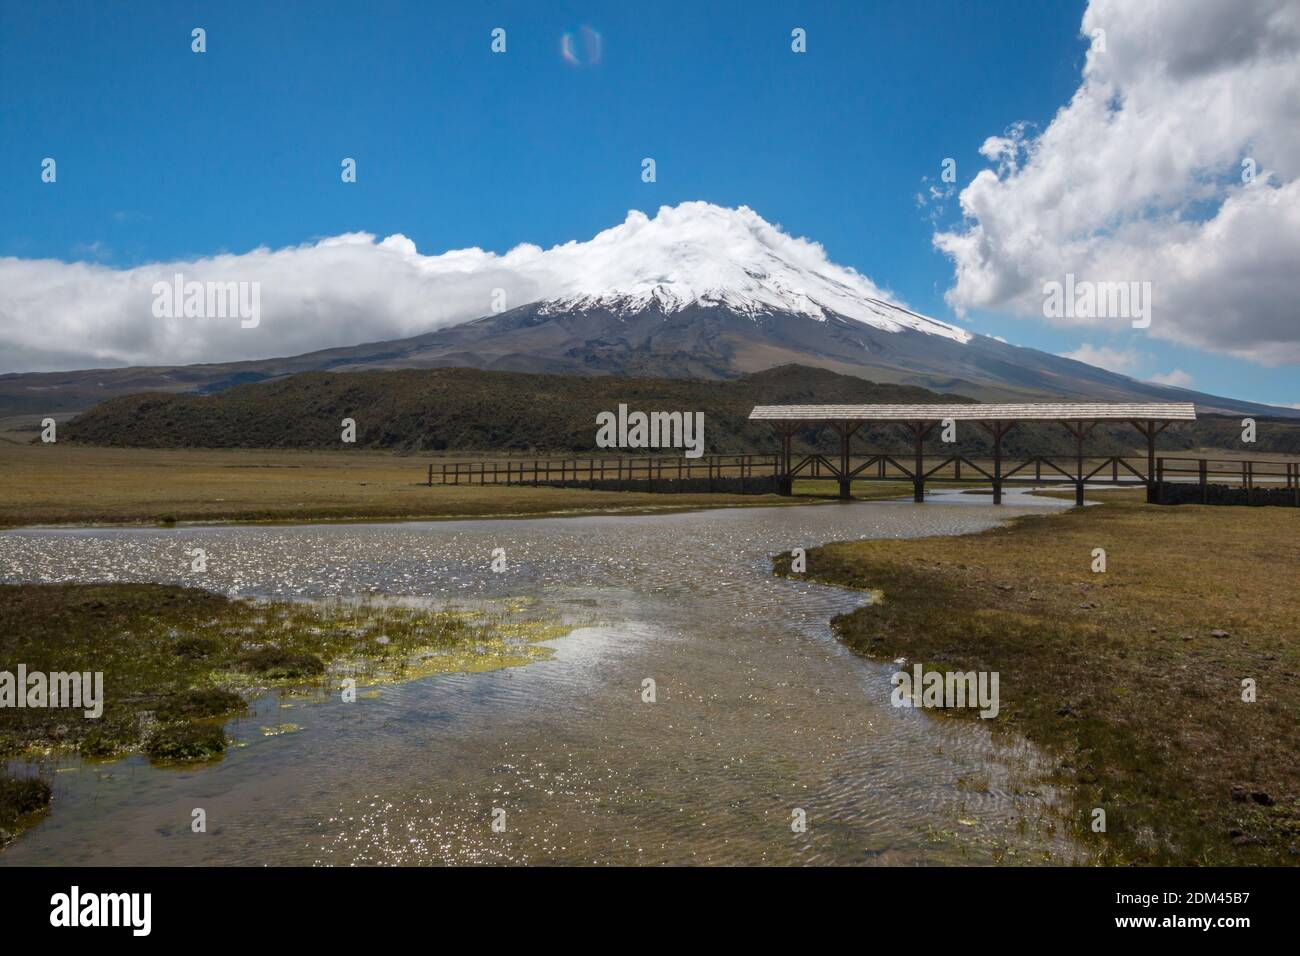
point(699, 254)
point(698, 291)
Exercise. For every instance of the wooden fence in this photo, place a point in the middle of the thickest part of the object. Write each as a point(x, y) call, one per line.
point(541, 471)
point(1246, 473)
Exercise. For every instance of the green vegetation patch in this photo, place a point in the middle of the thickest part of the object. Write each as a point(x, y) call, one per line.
point(276, 663)
point(178, 662)
point(22, 800)
point(1130, 678)
point(186, 743)
point(199, 703)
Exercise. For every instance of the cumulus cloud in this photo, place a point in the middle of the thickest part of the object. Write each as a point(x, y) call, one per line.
point(1124, 361)
point(1140, 177)
point(339, 291)
point(357, 288)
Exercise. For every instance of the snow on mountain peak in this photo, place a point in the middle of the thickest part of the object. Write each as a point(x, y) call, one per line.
point(700, 254)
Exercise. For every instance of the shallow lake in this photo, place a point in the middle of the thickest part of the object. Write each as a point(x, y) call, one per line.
point(758, 710)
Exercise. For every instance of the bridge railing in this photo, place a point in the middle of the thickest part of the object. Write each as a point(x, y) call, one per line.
point(540, 471)
point(1113, 469)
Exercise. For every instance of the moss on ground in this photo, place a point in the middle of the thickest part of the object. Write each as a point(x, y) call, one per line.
point(22, 801)
point(186, 743)
point(178, 662)
point(199, 703)
point(1120, 674)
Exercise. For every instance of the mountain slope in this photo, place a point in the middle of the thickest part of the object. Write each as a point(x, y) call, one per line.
point(459, 409)
point(693, 342)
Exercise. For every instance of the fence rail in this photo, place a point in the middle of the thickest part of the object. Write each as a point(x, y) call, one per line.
point(1245, 473)
point(541, 471)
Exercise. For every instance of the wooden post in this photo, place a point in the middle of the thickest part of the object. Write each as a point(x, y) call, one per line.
point(998, 429)
point(1152, 489)
point(1078, 431)
point(997, 463)
point(1149, 432)
point(784, 484)
point(788, 464)
point(1202, 469)
point(920, 430)
point(1078, 455)
point(845, 487)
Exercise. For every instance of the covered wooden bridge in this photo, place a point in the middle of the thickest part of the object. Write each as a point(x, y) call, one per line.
point(919, 421)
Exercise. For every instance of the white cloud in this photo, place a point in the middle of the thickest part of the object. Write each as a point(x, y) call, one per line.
point(356, 288)
point(1124, 361)
point(1139, 178)
point(1177, 378)
point(339, 291)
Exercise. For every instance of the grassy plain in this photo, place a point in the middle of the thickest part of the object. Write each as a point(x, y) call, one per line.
point(72, 484)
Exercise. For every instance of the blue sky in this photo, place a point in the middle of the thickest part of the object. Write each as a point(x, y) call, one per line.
point(166, 154)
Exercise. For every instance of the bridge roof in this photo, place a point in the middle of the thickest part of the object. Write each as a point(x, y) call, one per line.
point(1041, 411)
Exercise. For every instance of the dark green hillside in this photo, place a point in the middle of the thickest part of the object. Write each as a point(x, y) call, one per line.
point(467, 410)
point(458, 409)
